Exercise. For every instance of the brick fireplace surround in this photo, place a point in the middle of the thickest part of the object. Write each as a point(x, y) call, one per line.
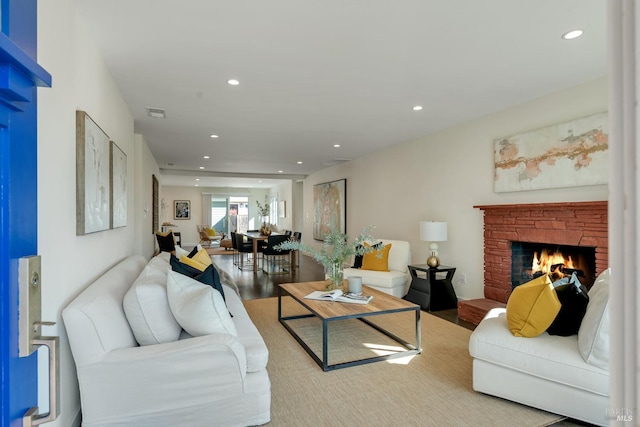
point(570, 223)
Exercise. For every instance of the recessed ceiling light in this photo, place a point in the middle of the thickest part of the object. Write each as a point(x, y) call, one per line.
point(417, 108)
point(259, 181)
point(197, 179)
point(233, 82)
point(280, 171)
point(299, 162)
point(197, 185)
point(206, 157)
point(572, 34)
point(336, 145)
point(213, 135)
point(201, 167)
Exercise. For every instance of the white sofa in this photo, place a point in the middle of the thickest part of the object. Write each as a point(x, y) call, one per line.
point(216, 379)
point(564, 375)
point(396, 281)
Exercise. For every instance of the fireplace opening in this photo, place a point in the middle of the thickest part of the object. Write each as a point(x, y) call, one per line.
point(531, 260)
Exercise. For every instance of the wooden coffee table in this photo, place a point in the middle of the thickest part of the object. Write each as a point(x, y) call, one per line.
point(329, 312)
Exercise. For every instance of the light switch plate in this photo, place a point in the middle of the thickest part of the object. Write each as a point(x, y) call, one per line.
point(30, 308)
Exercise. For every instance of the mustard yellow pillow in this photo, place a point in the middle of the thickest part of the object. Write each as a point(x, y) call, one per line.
point(193, 263)
point(210, 231)
point(202, 257)
point(532, 307)
point(372, 260)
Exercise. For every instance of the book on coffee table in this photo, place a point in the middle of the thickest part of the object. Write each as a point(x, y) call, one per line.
point(339, 296)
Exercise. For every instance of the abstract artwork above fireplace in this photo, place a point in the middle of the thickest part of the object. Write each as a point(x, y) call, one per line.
point(569, 154)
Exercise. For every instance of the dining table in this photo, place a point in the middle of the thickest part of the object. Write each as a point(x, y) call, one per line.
point(256, 237)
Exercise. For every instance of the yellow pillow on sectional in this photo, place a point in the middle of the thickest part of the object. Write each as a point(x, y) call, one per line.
point(202, 257)
point(532, 307)
point(193, 263)
point(373, 261)
point(210, 231)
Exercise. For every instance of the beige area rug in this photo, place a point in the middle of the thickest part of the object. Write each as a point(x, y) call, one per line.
point(430, 389)
point(218, 251)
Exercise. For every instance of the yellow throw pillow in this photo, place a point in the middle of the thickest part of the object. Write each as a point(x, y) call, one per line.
point(372, 260)
point(202, 257)
point(210, 232)
point(193, 263)
point(532, 307)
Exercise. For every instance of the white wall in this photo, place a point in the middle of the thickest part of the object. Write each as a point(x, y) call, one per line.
point(441, 177)
point(70, 262)
point(145, 168)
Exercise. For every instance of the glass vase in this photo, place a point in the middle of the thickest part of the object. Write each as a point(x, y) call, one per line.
point(334, 275)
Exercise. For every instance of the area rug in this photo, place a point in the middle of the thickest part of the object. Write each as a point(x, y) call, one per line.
point(432, 388)
point(218, 251)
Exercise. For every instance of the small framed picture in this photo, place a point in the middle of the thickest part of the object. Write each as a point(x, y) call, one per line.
point(181, 209)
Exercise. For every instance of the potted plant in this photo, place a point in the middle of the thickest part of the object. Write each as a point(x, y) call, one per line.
point(264, 216)
point(336, 250)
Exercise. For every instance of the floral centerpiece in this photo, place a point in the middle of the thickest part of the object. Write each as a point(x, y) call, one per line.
point(336, 250)
point(263, 209)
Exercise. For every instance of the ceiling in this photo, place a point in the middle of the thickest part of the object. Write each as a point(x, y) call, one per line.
point(314, 73)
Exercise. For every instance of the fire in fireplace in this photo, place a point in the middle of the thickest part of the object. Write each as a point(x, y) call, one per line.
point(531, 260)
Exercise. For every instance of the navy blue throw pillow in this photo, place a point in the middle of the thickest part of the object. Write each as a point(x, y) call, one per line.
point(573, 299)
point(357, 262)
point(193, 252)
point(166, 243)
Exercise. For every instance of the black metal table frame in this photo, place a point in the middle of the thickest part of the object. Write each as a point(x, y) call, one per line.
point(323, 363)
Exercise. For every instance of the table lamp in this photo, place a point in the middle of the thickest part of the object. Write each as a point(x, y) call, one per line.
point(433, 231)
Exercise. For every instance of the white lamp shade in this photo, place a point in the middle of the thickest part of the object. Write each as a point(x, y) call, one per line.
point(432, 231)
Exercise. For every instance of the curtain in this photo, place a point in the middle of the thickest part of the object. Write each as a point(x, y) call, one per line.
point(206, 210)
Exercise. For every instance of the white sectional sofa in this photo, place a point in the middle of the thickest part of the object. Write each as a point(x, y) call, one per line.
point(216, 379)
point(396, 281)
point(567, 375)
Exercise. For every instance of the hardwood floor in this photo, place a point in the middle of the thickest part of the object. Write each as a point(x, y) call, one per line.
point(261, 285)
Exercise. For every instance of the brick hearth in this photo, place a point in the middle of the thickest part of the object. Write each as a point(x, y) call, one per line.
point(571, 223)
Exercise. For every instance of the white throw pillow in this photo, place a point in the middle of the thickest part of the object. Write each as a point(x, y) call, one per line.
point(147, 309)
point(593, 336)
point(180, 252)
point(197, 307)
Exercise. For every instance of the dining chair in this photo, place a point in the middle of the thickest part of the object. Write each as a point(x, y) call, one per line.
point(275, 259)
point(243, 248)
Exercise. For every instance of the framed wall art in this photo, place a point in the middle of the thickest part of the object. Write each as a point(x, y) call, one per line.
point(568, 154)
point(118, 187)
point(330, 207)
point(155, 209)
point(93, 183)
point(181, 209)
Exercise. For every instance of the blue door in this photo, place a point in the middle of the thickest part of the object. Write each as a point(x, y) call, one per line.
point(19, 77)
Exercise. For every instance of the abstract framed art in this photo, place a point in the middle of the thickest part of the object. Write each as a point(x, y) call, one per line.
point(93, 184)
point(569, 154)
point(330, 207)
point(181, 209)
point(118, 187)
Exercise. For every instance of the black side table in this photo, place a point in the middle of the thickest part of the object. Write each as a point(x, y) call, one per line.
point(431, 288)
